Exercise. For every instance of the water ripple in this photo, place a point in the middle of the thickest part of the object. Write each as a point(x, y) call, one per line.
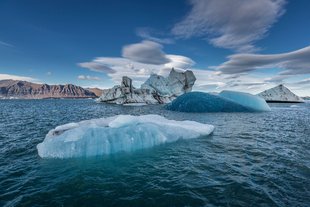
point(251, 159)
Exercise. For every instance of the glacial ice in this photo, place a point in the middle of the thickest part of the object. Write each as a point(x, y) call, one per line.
point(250, 101)
point(155, 90)
point(226, 101)
point(122, 133)
point(204, 102)
point(280, 94)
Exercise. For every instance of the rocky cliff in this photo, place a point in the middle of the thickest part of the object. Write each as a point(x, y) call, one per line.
point(28, 90)
point(156, 90)
point(96, 91)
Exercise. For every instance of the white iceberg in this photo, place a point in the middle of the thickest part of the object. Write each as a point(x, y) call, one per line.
point(247, 100)
point(280, 94)
point(122, 133)
point(156, 89)
point(176, 84)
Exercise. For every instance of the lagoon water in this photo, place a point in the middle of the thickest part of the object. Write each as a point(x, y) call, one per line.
point(251, 159)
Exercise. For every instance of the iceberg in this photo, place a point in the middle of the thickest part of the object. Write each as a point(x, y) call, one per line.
point(280, 94)
point(156, 89)
point(177, 83)
point(248, 100)
point(122, 133)
point(199, 102)
point(226, 101)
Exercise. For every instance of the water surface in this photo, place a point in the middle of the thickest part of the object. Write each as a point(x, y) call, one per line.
point(251, 159)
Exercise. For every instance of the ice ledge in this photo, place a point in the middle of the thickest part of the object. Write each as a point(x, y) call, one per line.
point(122, 133)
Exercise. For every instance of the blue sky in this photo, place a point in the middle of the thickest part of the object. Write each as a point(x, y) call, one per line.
point(230, 44)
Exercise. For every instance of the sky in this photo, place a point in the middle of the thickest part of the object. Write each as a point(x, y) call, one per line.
point(241, 45)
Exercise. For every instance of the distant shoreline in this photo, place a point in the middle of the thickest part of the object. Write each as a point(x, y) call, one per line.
point(22, 98)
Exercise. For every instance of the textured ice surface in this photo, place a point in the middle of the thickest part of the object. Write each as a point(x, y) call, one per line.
point(280, 94)
point(116, 134)
point(135, 104)
point(250, 101)
point(204, 102)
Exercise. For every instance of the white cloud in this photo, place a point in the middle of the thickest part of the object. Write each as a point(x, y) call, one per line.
point(147, 52)
point(96, 66)
point(291, 63)
point(178, 61)
point(207, 80)
point(139, 72)
point(87, 77)
point(232, 24)
point(16, 77)
point(49, 73)
point(212, 81)
point(140, 68)
point(145, 33)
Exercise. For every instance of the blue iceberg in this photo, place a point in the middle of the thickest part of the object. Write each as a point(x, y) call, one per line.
point(204, 102)
point(248, 100)
point(123, 133)
point(227, 101)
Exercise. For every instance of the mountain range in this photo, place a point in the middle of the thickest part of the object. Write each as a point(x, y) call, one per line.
point(28, 90)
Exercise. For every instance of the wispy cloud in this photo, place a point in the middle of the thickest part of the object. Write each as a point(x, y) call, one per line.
point(303, 82)
point(16, 77)
point(5, 44)
point(231, 24)
point(141, 71)
point(87, 77)
point(97, 66)
point(291, 63)
point(146, 33)
point(137, 57)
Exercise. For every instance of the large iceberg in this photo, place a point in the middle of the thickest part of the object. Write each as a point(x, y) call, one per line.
point(174, 85)
point(156, 89)
point(227, 101)
point(200, 102)
point(122, 133)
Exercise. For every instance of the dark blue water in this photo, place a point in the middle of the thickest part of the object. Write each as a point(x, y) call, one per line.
point(251, 159)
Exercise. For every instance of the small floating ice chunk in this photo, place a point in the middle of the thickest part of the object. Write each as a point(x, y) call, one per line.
point(135, 104)
point(253, 102)
point(295, 106)
point(116, 134)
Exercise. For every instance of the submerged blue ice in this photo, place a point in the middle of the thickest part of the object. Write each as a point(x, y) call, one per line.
point(116, 134)
point(204, 102)
point(248, 100)
point(227, 101)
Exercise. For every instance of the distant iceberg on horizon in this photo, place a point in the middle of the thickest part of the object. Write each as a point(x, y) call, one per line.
point(122, 133)
point(226, 101)
point(280, 93)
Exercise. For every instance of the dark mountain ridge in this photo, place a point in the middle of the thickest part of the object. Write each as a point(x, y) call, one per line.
point(28, 90)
